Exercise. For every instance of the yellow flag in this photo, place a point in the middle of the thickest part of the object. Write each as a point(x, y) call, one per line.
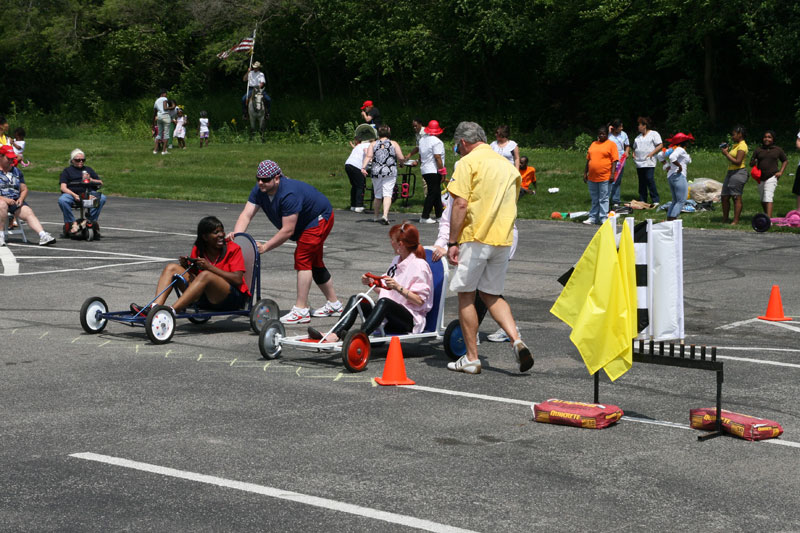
point(627, 269)
point(595, 304)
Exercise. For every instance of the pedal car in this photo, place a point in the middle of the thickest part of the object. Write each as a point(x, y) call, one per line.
point(356, 346)
point(159, 321)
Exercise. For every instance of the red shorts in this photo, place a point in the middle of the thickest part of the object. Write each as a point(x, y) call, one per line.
point(308, 253)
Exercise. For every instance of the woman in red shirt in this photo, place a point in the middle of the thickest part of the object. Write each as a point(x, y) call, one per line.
point(216, 277)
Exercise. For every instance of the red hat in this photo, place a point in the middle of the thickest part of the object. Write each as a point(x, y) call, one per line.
point(680, 137)
point(9, 152)
point(433, 128)
point(367, 103)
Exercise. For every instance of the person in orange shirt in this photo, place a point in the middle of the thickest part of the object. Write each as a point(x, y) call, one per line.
point(528, 176)
point(601, 163)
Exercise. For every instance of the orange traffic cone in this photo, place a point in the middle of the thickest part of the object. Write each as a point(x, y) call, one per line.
point(775, 307)
point(394, 371)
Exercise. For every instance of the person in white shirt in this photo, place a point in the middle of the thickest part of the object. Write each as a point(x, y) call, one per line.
point(162, 120)
point(505, 146)
point(620, 138)
point(203, 130)
point(431, 158)
point(645, 147)
point(352, 167)
point(180, 128)
point(676, 160)
point(256, 81)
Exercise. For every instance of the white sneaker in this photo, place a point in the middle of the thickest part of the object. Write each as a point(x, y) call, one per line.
point(465, 365)
point(296, 316)
point(164, 152)
point(427, 220)
point(155, 152)
point(329, 309)
point(2, 239)
point(358, 209)
point(46, 239)
point(523, 355)
point(589, 221)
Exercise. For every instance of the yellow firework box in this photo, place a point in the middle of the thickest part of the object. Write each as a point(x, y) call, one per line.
point(578, 414)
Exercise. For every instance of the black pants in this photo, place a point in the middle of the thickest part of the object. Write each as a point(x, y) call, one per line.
point(434, 197)
point(358, 183)
point(480, 307)
point(398, 318)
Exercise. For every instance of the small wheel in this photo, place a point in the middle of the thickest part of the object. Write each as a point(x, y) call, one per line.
point(89, 234)
point(454, 345)
point(200, 320)
point(269, 340)
point(160, 324)
point(92, 310)
point(262, 312)
point(356, 350)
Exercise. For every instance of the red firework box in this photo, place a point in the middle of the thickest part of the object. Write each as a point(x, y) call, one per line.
point(743, 426)
point(578, 414)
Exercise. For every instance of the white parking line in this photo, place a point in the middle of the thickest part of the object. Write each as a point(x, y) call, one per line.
point(9, 262)
point(280, 494)
point(91, 268)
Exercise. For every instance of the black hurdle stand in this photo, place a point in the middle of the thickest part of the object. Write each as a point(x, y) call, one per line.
point(681, 361)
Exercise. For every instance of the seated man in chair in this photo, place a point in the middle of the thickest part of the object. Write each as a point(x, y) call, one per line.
point(75, 180)
point(13, 192)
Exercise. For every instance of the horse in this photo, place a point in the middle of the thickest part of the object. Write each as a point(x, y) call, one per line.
point(257, 111)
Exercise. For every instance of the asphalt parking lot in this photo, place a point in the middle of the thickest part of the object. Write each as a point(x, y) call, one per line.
point(110, 432)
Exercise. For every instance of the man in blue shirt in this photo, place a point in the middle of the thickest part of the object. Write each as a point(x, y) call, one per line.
point(302, 214)
point(13, 192)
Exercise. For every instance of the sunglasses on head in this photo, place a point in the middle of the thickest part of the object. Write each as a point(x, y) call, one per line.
point(266, 180)
point(79, 159)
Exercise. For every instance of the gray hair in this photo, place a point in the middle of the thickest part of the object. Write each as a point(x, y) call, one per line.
point(471, 132)
point(75, 153)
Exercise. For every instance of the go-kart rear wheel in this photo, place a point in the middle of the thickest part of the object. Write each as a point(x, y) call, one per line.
point(91, 311)
point(89, 232)
point(160, 324)
point(269, 340)
point(262, 312)
point(356, 350)
point(454, 345)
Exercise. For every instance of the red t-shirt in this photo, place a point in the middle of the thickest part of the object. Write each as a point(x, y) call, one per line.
point(231, 261)
point(600, 157)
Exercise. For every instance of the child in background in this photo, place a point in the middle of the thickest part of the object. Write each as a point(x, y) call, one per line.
point(18, 144)
point(528, 176)
point(203, 129)
point(180, 128)
point(173, 113)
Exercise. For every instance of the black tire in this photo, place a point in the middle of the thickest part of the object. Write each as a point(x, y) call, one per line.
point(160, 324)
point(89, 233)
point(262, 312)
point(269, 340)
point(91, 311)
point(761, 222)
point(196, 320)
point(356, 350)
point(85, 234)
point(454, 345)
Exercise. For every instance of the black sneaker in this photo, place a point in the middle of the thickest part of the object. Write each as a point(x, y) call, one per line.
point(313, 334)
point(137, 309)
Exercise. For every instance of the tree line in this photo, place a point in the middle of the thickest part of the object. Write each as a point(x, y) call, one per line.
point(546, 66)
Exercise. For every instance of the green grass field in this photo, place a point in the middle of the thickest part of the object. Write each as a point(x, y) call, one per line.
point(226, 172)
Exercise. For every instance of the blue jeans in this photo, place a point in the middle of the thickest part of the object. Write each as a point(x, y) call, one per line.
point(65, 202)
point(647, 181)
point(679, 188)
point(614, 194)
point(599, 193)
point(267, 99)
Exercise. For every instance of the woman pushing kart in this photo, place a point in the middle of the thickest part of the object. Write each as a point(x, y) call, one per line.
point(212, 275)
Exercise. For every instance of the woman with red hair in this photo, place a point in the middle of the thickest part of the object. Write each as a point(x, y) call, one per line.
point(407, 298)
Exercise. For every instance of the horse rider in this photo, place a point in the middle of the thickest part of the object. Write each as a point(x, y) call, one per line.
point(255, 81)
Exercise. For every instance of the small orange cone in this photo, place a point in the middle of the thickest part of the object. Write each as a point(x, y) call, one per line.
point(775, 307)
point(394, 371)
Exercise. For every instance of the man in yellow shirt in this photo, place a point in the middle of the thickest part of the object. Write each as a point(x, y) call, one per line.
point(485, 190)
point(736, 176)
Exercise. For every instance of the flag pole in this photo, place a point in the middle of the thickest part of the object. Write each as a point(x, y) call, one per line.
point(250, 66)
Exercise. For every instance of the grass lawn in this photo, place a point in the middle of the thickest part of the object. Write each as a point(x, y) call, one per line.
point(226, 172)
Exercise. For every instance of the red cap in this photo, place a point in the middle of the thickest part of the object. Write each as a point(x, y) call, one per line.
point(367, 103)
point(9, 152)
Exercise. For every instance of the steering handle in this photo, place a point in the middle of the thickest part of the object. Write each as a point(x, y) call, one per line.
point(376, 281)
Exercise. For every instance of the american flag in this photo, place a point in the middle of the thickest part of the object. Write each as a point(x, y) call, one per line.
point(243, 46)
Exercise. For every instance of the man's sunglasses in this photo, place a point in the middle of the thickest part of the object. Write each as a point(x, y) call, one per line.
point(265, 180)
point(79, 160)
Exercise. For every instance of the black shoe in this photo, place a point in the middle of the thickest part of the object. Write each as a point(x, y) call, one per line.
point(137, 309)
point(313, 334)
point(96, 227)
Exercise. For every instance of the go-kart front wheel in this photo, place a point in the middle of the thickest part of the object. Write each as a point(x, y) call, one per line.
point(160, 324)
point(356, 350)
point(262, 312)
point(269, 340)
point(454, 345)
point(91, 315)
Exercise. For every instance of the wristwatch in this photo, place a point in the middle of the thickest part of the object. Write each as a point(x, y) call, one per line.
point(449, 244)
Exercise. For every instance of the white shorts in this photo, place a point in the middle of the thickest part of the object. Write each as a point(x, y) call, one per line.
point(767, 189)
point(383, 186)
point(482, 267)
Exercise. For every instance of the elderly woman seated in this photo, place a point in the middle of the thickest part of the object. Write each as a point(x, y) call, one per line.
point(77, 179)
point(13, 192)
point(408, 295)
